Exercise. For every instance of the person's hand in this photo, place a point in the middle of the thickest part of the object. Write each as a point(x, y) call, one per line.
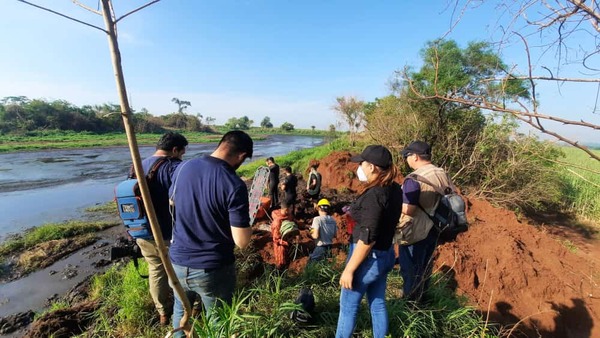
point(346, 279)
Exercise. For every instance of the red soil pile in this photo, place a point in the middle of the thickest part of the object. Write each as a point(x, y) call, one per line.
point(521, 274)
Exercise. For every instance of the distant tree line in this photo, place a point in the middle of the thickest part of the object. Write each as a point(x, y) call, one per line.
point(20, 114)
point(244, 123)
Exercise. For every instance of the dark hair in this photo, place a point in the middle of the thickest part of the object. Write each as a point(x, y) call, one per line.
point(271, 159)
point(238, 142)
point(171, 140)
point(287, 169)
point(425, 157)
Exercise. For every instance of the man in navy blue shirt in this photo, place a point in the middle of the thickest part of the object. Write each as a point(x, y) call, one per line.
point(211, 218)
point(170, 149)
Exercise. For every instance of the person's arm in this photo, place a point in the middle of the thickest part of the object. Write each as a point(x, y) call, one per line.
point(241, 236)
point(409, 209)
point(239, 216)
point(411, 191)
point(314, 229)
point(361, 250)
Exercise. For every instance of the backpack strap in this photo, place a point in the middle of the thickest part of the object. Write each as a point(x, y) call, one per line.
point(159, 161)
point(437, 189)
point(422, 179)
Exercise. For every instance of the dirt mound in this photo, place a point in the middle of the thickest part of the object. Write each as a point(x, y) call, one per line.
point(65, 322)
point(519, 274)
point(337, 172)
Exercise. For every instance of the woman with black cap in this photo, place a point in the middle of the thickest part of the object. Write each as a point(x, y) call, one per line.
point(371, 255)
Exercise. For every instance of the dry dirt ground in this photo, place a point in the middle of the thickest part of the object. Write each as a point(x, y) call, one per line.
point(539, 280)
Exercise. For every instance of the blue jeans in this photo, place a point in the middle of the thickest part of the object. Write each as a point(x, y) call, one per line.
point(320, 253)
point(209, 284)
point(369, 278)
point(416, 264)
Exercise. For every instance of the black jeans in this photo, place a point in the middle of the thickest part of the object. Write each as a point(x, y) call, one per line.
point(274, 195)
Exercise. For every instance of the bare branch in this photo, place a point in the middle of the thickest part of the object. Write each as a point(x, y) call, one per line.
point(86, 7)
point(551, 78)
point(593, 16)
point(136, 10)
point(63, 15)
point(560, 137)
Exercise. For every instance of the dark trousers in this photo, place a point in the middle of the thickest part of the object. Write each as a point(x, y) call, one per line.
point(320, 253)
point(416, 264)
point(274, 195)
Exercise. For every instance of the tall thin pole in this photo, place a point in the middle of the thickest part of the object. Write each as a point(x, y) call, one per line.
point(137, 162)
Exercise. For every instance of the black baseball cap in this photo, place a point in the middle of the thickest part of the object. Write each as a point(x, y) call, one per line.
point(417, 147)
point(376, 154)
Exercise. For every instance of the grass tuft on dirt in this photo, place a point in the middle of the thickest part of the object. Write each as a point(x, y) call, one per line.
point(51, 231)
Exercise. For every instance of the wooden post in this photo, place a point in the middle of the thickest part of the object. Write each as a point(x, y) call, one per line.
point(137, 162)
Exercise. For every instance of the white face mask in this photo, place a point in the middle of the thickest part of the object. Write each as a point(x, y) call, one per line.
point(360, 173)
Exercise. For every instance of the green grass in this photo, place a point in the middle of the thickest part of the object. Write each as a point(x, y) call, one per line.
point(106, 208)
point(582, 187)
point(127, 309)
point(262, 309)
point(56, 139)
point(62, 140)
point(298, 159)
point(51, 231)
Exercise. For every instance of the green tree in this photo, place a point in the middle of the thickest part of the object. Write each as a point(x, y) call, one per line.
point(458, 73)
point(351, 110)
point(266, 122)
point(286, 126)
point(242, 123)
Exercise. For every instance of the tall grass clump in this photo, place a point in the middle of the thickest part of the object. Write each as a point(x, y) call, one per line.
point(126, 306)
point(581, 175)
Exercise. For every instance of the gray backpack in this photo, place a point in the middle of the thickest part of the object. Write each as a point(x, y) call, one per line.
point(449, 218)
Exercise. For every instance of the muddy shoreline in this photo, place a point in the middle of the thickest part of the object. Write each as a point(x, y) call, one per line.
point(24, 293)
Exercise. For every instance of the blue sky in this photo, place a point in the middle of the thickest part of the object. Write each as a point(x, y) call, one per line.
point(284, 59)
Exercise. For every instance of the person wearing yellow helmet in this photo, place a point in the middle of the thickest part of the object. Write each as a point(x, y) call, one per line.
point(323, 230)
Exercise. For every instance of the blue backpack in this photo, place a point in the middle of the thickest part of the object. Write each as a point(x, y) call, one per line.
point(130, 204)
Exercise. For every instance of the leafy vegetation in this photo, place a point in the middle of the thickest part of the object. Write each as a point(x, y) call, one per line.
point(262, 308)
point(19, 114)
point(486, 155)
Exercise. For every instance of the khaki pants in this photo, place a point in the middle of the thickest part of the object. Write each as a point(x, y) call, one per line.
point(157, 277)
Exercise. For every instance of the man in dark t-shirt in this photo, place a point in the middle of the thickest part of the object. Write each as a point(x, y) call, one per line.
point(289, 185)
point(211, 218)
point(170, 147)
point(273, 182)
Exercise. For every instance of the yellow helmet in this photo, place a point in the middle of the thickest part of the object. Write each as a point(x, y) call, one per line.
point(323, 202)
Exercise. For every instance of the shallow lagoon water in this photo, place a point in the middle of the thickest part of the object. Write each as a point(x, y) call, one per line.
point(53, 186)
